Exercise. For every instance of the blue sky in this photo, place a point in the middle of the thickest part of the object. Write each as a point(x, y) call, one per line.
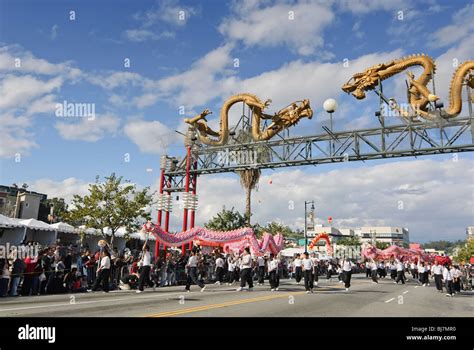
point(189, 62)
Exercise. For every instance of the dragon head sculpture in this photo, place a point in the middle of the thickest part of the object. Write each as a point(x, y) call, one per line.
point(361, 82)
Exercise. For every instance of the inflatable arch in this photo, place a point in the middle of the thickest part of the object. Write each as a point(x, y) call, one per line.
point(324, 236)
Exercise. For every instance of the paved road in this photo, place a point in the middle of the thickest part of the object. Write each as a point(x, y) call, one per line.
point(330, 299)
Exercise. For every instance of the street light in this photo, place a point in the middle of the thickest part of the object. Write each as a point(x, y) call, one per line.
point(330, 106)
point(306, 222)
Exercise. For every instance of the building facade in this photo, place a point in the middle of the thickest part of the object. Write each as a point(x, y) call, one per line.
point(18, 202)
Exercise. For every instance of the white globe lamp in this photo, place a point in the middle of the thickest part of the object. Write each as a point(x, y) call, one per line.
point(330, 105)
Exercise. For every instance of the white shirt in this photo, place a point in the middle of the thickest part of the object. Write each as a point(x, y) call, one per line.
point(261, 261)
point(146, 259)
point(192, 261)
point(373, 266)
point(437, 269)
point(246, 262)
point(307, 264)
point(230, 266)
point(219, 262)
point(421, 269)
point(105, 262)
point(447, 275)
point(297, 262)
point(400, 266)
point(347, 266)
point(272, 265)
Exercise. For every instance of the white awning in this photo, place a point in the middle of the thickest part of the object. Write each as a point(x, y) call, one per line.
point(63, 227)
point(36, 225)
point(7, 222)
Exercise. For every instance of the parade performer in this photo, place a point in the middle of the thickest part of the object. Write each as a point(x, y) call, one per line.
point(191, 270)
point(297, 267)
point(347, 272)
point(145, 264)
point(400, 272)
point(246, 270)
point(261, 270)
point(438, 276)
point(219, 269)
point(307, 264)
point(272, 267)
point(448, 280)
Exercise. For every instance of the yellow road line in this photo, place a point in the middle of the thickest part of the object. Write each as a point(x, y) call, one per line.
point(225, 304)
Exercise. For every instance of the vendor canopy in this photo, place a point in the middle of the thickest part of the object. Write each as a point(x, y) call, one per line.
point(7, 222)
point(62, 227)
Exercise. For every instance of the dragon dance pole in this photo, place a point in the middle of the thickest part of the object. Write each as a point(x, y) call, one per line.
point(160, 212)
point(167, 219)
point(186, 190)
point(193, 211)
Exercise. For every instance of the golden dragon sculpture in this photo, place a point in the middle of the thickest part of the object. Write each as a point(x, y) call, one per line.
point(420, 96)
point(281, 120)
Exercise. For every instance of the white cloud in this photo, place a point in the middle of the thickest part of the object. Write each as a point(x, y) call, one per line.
point(19, 91)
point(66, 188)
point(157, 22)
point(140, 35)
point(15, 137)
point(462, 27)
point(299, 25)
point(89, 130)
point(362, 7)
point(150, 136)
point(14, 59)
point(54, 32)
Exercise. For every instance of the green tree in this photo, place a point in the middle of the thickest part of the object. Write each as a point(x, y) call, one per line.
point(226, 220)
point(113, 203)
point(381, 245)
point(465, 252)
point(349, 241)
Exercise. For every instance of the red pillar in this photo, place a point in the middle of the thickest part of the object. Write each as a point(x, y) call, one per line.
point(160, 211)
point(193, 212)
point(167, 220)
point(186, 190)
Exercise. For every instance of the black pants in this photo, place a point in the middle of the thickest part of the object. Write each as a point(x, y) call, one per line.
point(231, 276)
point(298, 273)
point(374, 275)
point(274, 280)
point(393, 274)
point(457, 285)
point(449, 287)
point(246, 277)
point(316, 274)
point(368, 273)
point(438, 282)
point(400, 277)
point(308, 279)
point(193, 277)
point(102, 277)
point(219, 274)
point(144, 277)
point(261, 274)
point(346, 277)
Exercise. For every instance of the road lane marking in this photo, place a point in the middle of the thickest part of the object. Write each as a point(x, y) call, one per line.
point(416, 286)
point(405, 292)
point(389, 300)
point(222, 305)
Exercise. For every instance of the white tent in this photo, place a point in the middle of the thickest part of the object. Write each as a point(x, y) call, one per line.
point(290, 252)
point(7, 222)
point(62, 227)
point(36, 225)
point(39, 231)
point(11, 231)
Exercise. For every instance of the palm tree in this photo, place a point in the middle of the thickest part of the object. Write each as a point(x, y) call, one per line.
point(249, 177)
point(249, 180)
